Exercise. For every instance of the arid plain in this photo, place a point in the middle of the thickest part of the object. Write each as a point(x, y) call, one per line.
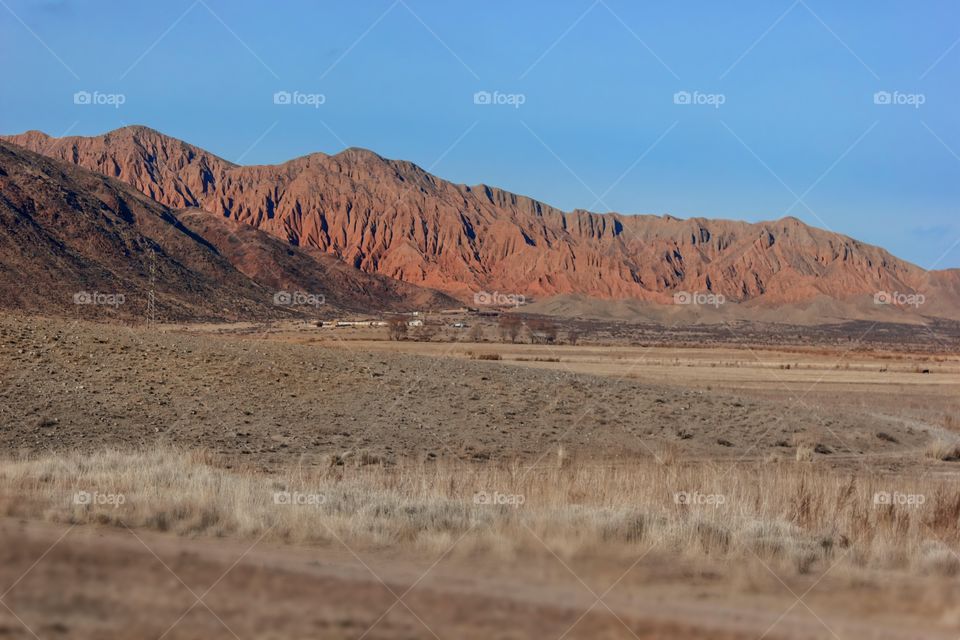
point(287, 480)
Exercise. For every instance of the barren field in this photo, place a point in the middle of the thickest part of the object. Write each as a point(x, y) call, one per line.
point(273, 400)
point(448, 490)
point(118, 584)
point(892, 388)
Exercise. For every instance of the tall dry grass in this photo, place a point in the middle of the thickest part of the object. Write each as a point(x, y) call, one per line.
point(793, 515)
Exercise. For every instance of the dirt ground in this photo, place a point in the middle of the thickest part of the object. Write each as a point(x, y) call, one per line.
point(274, 398)
point(114, 583)
point(913, 390)
point(267, 399)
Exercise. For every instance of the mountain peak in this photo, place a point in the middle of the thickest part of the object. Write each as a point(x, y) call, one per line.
point(360, 154)
point(32, 139)
point(793, 221)
point(139, 129)
point(164, 168)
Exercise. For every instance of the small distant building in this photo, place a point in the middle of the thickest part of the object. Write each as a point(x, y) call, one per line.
point(415, 323)
point(360, 323)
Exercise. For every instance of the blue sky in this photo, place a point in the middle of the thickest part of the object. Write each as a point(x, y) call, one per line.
point(781, 117)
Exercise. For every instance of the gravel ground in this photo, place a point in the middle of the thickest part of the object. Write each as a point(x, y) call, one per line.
point(72, 385)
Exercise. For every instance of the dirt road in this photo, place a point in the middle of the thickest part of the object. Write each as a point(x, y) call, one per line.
point(86, 582)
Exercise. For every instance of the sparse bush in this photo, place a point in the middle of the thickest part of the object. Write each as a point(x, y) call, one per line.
point(627, 527)
point(476, 333)
point(778, 513)
point(510, 327)
point(947, 451)
point(365, 458)
point(939, 559)
point(397, 327)
point(949, 422)
point(667, 454)
point(542, 331)
point(425, 333)
point(563, 458)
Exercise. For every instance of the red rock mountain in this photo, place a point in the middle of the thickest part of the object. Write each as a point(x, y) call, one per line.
point(392, 218)
point(69, 234)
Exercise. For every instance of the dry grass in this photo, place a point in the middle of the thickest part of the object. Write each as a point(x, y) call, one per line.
point(788, 514)
point(805, 451)
point(946, 450)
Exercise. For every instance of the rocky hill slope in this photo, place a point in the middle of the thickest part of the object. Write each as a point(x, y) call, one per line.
point(76, 242)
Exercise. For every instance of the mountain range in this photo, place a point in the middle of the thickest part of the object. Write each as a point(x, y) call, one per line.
point(392, 234)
